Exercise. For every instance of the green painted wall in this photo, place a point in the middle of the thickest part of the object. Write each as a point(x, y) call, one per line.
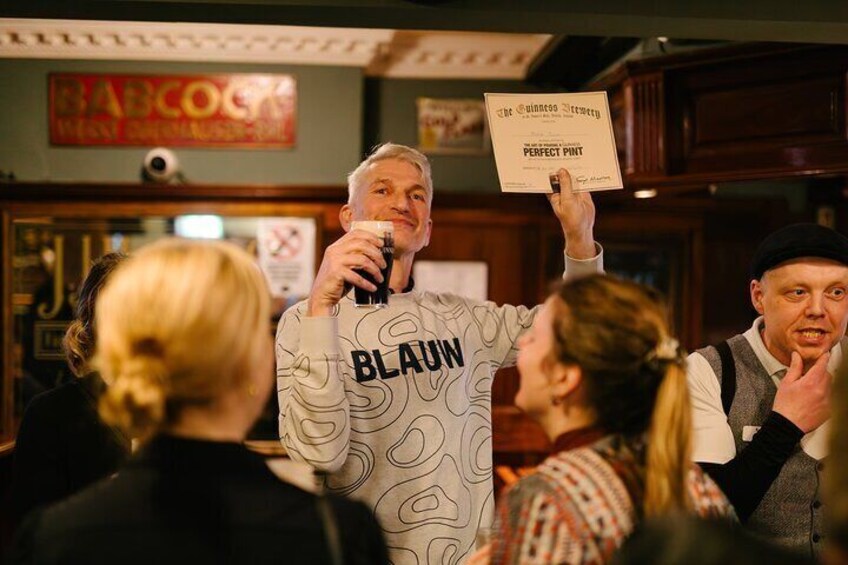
point(340, 116)
point(392, 114)
point(329, 131)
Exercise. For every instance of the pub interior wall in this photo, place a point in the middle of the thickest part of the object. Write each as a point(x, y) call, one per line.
point(391, 116)
point(340, 115)
point(329, 130)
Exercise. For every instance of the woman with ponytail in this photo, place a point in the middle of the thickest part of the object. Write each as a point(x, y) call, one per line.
point(184, 343)
point(62, 445)
point(602, 375)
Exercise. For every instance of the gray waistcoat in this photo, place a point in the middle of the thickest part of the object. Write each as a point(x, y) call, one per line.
point(790, 512)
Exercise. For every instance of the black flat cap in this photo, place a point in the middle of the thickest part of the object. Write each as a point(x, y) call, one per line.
point(799, 240)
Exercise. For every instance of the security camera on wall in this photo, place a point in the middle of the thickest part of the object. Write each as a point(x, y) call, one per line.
point(161, 165)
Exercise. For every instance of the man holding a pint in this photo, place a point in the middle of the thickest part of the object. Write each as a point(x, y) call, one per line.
point(392, 403)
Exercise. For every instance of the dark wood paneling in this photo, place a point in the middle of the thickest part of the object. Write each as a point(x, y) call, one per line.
point(796, 123)
point(513, 432)
point(7, 385)
point(517, 236)
point(768, 113)
point(645, 147)
point(751, 111)
point(732, 234)
point(508, 245)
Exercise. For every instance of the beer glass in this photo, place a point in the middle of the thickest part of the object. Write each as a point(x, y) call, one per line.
point(380, 297)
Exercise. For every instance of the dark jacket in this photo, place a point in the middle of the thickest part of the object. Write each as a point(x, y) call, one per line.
point(190, 501)
point(63, 446)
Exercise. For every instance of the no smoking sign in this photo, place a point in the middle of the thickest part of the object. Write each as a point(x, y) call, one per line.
point(284, 242)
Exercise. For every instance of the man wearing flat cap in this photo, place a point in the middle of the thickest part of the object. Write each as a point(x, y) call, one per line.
point(761, 399)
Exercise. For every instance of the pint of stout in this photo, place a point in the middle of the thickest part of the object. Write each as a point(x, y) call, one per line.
point(380, 297)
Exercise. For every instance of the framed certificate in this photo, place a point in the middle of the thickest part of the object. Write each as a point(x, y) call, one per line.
point(534, 135)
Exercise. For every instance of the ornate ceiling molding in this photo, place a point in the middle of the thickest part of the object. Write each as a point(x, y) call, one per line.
point(450, 54)
point(380, 52)
point(71, 39)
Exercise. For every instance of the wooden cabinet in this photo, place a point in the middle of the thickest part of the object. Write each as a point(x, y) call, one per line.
point(744, 111)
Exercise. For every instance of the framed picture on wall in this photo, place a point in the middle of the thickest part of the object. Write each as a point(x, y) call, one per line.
point(453, 126)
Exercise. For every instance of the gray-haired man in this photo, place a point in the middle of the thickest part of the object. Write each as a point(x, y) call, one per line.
point(394, 404)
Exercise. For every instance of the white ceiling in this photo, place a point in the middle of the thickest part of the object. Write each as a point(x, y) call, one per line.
point(379, 52)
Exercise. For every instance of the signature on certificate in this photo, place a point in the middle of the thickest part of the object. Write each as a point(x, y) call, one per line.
point(602, 178)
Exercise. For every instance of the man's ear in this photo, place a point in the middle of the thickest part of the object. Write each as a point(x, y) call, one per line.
point(346, 217)
point(429, 231)
point(757, 296)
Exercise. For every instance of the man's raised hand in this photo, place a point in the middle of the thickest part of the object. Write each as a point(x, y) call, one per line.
point(804, 399)
point(356, 250)
point(576, 214)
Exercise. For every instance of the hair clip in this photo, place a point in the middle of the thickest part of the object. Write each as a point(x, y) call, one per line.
point(668, 349)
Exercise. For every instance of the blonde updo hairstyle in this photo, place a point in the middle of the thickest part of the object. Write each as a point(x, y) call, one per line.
point(617, 332)
point(178, 324)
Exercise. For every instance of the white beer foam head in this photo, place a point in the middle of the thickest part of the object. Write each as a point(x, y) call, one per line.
point(378, 228)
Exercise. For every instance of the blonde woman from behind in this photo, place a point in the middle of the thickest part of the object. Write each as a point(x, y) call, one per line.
point(184, 343)
point(603, 376)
